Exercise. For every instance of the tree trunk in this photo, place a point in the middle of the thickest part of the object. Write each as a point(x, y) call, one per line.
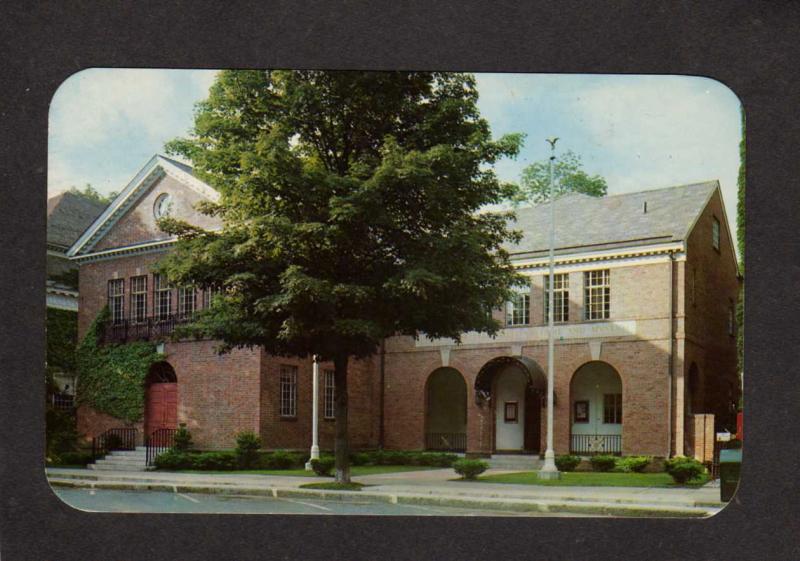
point(342, 445)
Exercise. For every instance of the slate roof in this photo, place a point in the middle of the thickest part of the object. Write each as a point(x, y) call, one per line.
point(585, 223)
point(68, 215)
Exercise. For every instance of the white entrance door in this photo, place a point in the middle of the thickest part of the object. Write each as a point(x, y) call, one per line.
point(510, 410)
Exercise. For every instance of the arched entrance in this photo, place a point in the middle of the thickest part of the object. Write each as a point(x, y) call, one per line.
point(596, 410)
point(446, 411)
point(512, 386)
point(160, 398)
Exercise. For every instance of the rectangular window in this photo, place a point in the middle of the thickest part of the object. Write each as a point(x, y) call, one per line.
point(715, 234)
point(518, 309)
point(138, 299)
point(116, 300)
point(612, 408)
point(597, 294)
point(186, 301)
point(329, 407)
point(560, 298)
point(288, 391)
point(162, 297)
point(511, 412)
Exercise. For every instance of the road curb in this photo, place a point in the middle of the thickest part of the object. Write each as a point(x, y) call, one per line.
point(478, 503)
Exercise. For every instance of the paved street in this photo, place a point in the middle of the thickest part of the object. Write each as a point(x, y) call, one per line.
point(155, 501)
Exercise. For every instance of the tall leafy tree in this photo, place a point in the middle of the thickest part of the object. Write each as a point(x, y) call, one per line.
point(740, 225)
point(89, 192)
point(568, 177)
point(350, 209)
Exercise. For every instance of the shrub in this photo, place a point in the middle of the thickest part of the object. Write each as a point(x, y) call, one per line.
point(470, 469)
point(221, 461)
point(247, 445)
point(603, 462)
point(281, 459)
point(567, 462)
point(61, 433)
point(183, 439)
point(683, 469)
point(323, 466)
point(633, 463)
point(360, 459)
point(172, 459)
point(73, 459)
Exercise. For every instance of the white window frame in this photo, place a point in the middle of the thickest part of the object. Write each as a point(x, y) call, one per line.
point(187, 301)
point(518, 309)
point(612, 410)
point(597, 295)
point(116, 300)
point(329, 394)
point(288, 391)
point(162, 297)
point(138, 312)
point(560, 298)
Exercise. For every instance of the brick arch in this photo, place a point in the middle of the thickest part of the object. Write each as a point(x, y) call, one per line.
point(595, 435)
point(446, 430)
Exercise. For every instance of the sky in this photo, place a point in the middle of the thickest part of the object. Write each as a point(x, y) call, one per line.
point(639, 132)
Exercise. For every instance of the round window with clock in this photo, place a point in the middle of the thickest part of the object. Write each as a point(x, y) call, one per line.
point(163, 206)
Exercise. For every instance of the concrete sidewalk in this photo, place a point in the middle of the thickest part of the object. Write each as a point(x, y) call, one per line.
point(432, 487)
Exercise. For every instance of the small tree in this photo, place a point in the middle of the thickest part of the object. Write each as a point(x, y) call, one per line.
point(568, 177)
point(349, 203)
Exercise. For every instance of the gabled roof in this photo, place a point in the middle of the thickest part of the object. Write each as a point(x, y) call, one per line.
point(68, 215)
point(592, 223)
point(153, 170)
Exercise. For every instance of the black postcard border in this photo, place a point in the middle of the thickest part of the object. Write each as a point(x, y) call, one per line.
point(751, 47)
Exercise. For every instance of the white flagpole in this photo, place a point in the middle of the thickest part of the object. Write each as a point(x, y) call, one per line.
point(314, 415)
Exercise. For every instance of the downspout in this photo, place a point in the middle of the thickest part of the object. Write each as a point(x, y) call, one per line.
point(670, 374)
point(382, 394)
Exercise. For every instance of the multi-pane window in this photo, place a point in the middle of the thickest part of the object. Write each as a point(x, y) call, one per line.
point(518, 309)
point(162, 297)
point(138, 299)
point(116, 300)
point(186, 301)
point(329, 403)
point(560, 297)
point(288, 391)
point(715, 234)
point(597, 294)
point(612, 408)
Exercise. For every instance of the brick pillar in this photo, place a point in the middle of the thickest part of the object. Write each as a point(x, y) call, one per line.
point(480, 429)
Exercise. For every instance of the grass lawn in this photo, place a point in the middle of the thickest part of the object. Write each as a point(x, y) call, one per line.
point(333, 486)
point(594, 479)
point(354, 471)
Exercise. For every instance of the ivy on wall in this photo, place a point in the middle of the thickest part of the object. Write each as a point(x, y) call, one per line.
point(111, 377)
point(62, 336)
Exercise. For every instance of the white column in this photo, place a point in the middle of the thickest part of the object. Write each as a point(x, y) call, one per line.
point(549, 469)
point(314, 415)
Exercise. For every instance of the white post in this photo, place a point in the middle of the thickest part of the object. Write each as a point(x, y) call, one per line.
point(314, 415)
point(549, 469)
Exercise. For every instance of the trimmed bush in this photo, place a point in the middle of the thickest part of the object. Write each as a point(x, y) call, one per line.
point(470, 469)
point(360, 459)
point(683, 469)
point(603, 462)
point(567, 462)
point(403, 458)
point(183, 439)
point(633, 463)
point(214, 461)
point(172, 459)
point(281, 459)
point(247, 445)
point(73, 459)
point(323, 466)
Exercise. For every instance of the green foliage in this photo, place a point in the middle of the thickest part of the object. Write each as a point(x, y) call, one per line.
point(470, 469)
point(683, 469)
point(182, 439)
point(403, 458)
point(62, 337)
point(111, 377)
point(603, 462)
point(323, 466)
point(92, 194)
point(173, 459)
point(281, 459)
point(740, 226)
point(247, 446)
point(214, 461)
point(567, 462)
point(568, 177)
point(61, 434)
point(71, 459)
point(633, 463)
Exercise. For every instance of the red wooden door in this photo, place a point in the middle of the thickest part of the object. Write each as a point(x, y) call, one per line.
point(161, 407)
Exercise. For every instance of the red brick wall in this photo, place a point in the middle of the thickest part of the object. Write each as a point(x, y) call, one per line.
point(92, 423)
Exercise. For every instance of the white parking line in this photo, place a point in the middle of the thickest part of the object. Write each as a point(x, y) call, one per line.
point(307, 504)
point(188, 498)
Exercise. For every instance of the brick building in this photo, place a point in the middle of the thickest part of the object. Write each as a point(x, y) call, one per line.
point(645, 292)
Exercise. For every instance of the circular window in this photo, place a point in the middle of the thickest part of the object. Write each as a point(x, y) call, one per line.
point(163, 205)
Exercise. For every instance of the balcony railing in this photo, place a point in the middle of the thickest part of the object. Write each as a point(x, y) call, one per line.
point(145, 329)
point(589, 444)
point(446, 441)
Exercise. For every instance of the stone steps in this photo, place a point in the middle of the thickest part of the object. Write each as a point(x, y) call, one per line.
point(518, 462)
point(122, 460)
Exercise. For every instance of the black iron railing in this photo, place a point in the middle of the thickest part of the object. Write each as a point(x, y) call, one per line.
point(144, 329)
point(63, 402)
point(589, 444)
point(159, 441)
point(446, 441)
point(113, 439)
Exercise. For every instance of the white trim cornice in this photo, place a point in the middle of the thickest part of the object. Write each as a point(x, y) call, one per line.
point(630, 254)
